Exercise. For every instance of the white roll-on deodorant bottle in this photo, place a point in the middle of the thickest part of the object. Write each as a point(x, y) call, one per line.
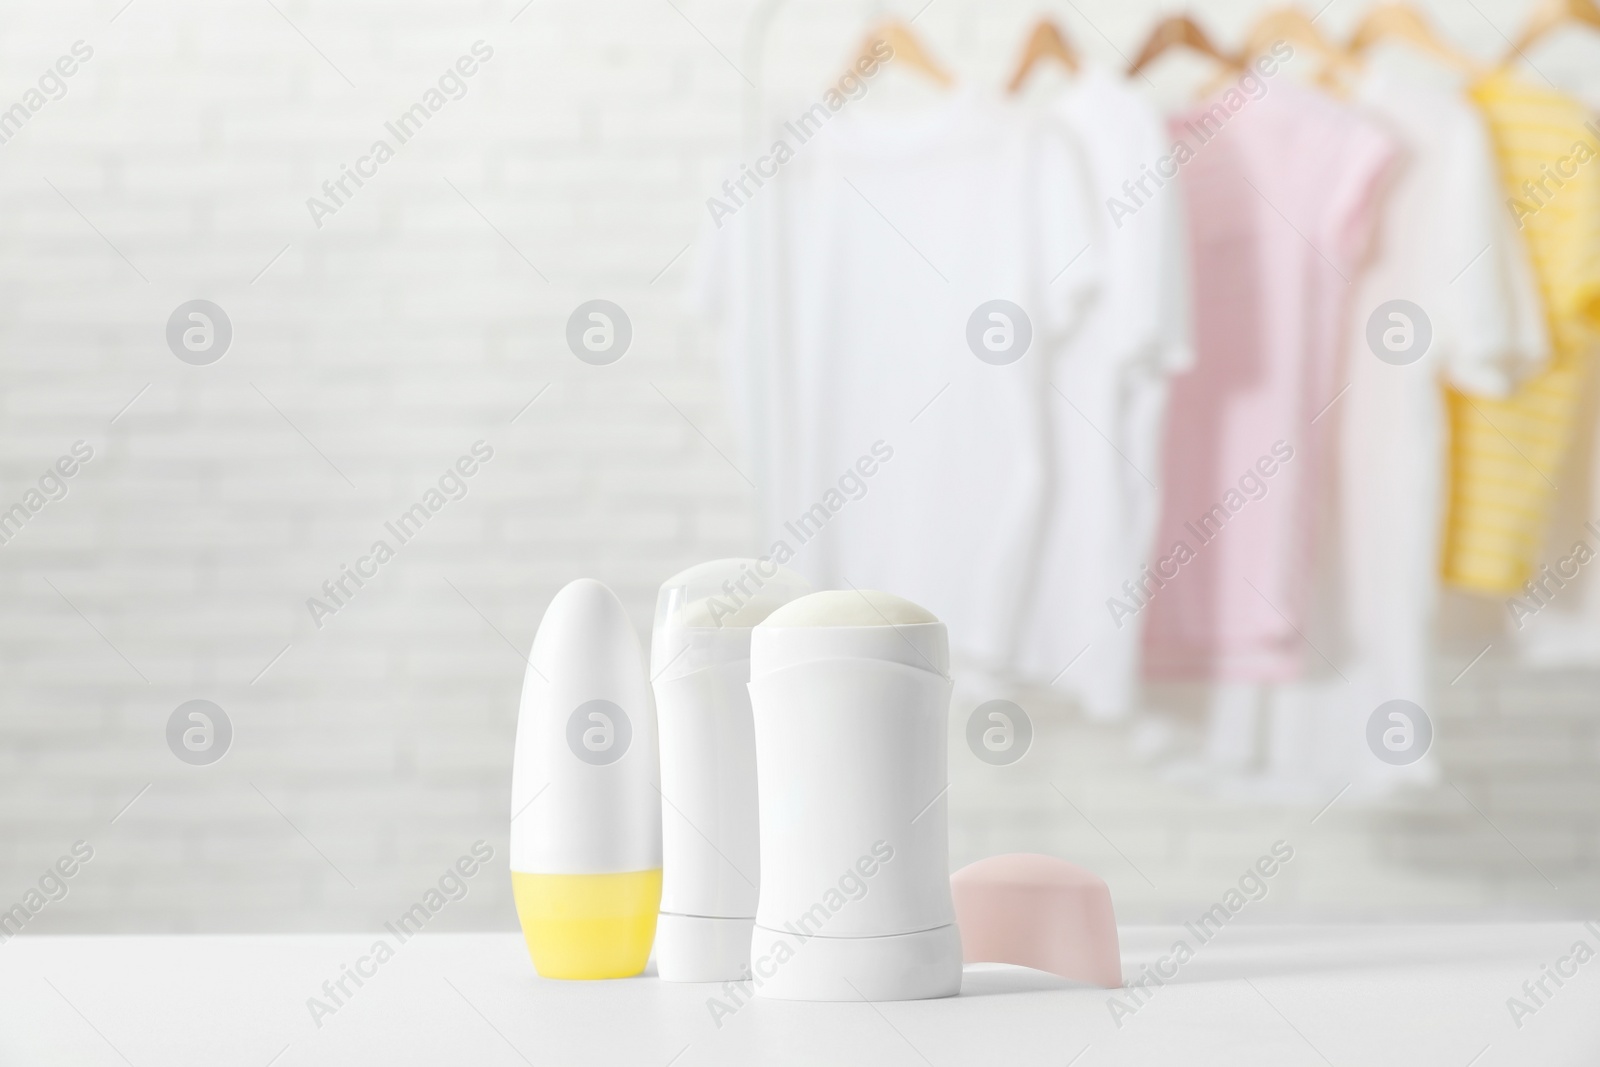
point(850, 693)
point(700, 670)
point(585, 805)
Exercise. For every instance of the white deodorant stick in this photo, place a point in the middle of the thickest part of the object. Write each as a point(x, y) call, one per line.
point(850, 693)
point(700, 670)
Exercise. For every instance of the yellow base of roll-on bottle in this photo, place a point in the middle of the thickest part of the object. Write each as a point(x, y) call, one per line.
point(587, 926)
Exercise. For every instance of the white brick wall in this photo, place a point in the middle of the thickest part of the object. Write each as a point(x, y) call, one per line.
point(177, 166)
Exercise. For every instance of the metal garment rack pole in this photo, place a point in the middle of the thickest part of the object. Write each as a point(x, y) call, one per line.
point(755, 62)
point(753, 56)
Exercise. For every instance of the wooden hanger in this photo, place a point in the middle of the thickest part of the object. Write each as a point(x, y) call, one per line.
point(1045, 42)
point(1402, 23)
point(907, 49)
point(1551, 15)
point(1175, 30)
point(1295, 26)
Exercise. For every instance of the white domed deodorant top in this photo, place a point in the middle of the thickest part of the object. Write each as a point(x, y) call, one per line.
point(850, 607)
point(850, 692)
point(704, 614)
point(700, 671)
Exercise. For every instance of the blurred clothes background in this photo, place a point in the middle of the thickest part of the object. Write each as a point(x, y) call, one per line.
point(854, 381)
point(1221, 402)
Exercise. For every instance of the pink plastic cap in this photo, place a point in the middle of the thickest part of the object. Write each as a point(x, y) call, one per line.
point(1040, 912)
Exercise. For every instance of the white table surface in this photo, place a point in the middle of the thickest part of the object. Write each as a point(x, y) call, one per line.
point(1330, 995)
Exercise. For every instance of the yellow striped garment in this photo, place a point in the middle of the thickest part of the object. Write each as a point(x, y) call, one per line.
point(1507, 453)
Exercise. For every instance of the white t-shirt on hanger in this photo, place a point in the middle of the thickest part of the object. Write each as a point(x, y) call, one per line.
point(1447, 245)
point(892, 229)
point(1107, 398)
